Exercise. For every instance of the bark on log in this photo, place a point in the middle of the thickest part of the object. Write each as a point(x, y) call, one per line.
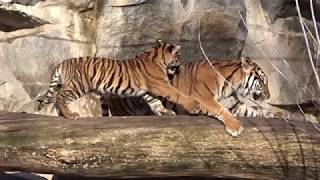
point(158, 146)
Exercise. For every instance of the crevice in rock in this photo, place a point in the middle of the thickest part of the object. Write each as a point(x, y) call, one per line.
point(15, 20)
point(127, 3)
point(287, 8)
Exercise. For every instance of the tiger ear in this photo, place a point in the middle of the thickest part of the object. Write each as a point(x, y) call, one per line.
point(245, 64)
point(159, 42)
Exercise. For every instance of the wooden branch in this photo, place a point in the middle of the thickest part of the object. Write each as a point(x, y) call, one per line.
point(158, 146)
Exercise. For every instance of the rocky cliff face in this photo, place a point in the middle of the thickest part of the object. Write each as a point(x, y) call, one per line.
point(36, 35)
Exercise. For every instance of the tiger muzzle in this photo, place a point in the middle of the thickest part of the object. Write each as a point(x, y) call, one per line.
point(174, 67)
point(261, 97)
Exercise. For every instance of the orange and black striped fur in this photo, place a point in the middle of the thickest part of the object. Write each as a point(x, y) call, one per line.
point(200, 81)
point(237, 80)
point(140, 76)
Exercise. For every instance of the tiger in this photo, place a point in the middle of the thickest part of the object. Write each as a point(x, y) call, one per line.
point(139, 76)
point(145, 76)
point(247, 83)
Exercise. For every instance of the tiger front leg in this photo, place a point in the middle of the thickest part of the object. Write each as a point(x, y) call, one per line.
point(174, 95)
point(64, 97)
point(233, 125)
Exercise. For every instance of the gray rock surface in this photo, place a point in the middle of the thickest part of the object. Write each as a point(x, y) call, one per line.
point(279, 47)
point(177, 21)
point(123, 28)
point(28, 56)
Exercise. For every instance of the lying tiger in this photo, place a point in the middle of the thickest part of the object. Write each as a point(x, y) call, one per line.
point(247, 82)
point(144, 76)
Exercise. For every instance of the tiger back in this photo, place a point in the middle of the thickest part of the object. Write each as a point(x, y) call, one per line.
point(140, 76)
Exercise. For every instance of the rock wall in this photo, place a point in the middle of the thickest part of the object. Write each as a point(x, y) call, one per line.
point(276, 42)
point(28, 55)
point(36, 35)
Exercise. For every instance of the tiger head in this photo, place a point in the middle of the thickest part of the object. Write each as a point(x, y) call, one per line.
point(168, 56)
point(256, 81)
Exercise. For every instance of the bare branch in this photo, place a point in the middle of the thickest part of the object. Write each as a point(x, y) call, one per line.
point(316, 127)
point(314, 21)
point(307, 44)
point(311, 35)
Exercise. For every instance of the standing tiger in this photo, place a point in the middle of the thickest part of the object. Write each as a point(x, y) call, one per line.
point(198, 79)
point(145, 74)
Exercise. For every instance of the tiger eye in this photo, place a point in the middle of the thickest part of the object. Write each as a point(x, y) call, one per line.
point(170, 48)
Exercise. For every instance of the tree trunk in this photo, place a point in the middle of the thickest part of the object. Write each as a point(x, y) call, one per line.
point(158, 146)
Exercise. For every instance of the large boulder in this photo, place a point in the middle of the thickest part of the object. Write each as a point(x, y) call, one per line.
point(124, 31)
point(28, 55)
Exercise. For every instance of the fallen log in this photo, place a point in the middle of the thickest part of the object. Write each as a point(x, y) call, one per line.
point(162, 146)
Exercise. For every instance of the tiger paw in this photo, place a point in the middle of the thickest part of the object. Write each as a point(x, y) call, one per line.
point(160, 110)
point(235, 132)
point(163, 111)
point(72, 116)
point(192, 106)
point(168, 112)
point(233, 126)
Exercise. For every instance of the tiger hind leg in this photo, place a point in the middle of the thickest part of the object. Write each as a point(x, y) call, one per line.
point(65, 97)
point(55, 86)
